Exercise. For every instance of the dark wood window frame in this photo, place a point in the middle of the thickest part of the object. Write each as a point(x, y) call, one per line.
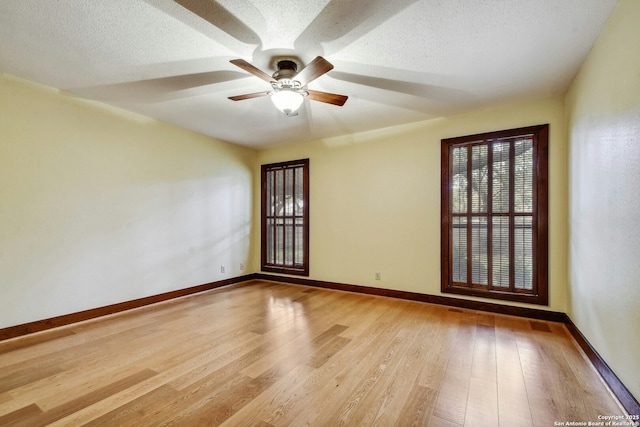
point(286, 222)
point(539, 228)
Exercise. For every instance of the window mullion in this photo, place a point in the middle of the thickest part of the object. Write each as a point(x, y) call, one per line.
point(512, 222)
point(284, 216)
point(293, 219)
point(274, 212)
point(489, 210)
point(269, 220)
point(469, 217)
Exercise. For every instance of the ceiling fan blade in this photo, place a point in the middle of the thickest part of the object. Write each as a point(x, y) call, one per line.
point(315, 69)
point(329, 98)
point(157, 89)
point(249, 95)
point(217, 15)
point(330, 32)
point(252, 69)
point(410, 88)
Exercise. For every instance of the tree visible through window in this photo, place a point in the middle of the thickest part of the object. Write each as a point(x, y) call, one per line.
point(494, 215)
point(285, 217)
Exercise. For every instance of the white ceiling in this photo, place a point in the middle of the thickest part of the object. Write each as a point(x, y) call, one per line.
point(399, 61)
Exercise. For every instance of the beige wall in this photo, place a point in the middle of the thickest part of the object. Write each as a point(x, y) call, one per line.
point(375, 199)
point(100, 206)
point(603, 122)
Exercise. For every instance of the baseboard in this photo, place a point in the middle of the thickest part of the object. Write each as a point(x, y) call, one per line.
point(618, 388)
point(531, 313)
point(54, 322)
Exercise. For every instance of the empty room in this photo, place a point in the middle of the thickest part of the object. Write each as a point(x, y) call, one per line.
point(365, 212)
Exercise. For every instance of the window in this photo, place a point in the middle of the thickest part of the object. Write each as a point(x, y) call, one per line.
point(285, 217)
point(494, 215)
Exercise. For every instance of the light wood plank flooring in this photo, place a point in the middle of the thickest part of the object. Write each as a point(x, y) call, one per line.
point(272, 354)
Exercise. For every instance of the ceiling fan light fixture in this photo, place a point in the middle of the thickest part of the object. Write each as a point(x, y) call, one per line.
point(287, 101)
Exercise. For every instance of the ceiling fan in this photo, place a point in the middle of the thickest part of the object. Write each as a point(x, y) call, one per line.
point(289, 87)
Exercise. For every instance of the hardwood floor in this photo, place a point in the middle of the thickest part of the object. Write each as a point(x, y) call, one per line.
point(272, 354)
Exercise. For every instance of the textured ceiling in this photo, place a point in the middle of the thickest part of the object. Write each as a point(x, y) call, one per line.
point(399, 61)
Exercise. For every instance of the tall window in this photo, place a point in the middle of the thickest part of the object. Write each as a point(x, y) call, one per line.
point(285, 217)
point(494, 215)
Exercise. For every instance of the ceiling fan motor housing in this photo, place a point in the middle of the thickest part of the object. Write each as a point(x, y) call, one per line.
point(287, 69)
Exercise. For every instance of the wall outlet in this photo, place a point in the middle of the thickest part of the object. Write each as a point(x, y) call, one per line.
point(241, 267)
point(378, 275)
point(222, 269)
